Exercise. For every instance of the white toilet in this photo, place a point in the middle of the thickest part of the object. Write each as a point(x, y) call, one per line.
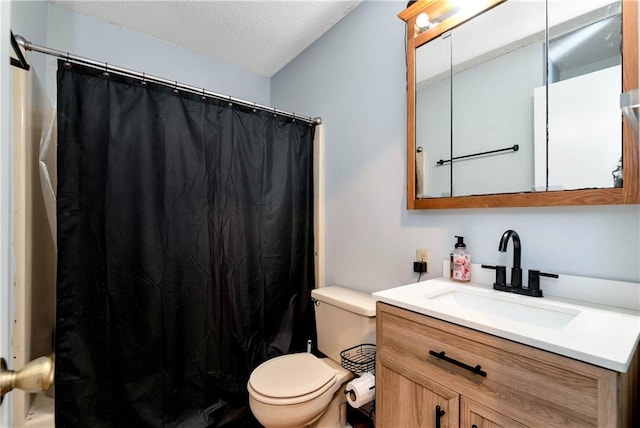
point(300, 390)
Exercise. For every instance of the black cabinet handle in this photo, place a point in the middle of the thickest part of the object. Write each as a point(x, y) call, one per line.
point(439, 413)
point(474, 426)
point(477, 369)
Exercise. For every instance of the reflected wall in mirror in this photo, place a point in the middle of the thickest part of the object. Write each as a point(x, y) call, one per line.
point(479, 88)
point(584, 116)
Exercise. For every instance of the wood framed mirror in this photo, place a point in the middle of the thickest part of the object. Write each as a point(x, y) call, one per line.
point(443, 17)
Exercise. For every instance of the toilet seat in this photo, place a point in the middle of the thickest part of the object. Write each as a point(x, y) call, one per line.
point(291, 379)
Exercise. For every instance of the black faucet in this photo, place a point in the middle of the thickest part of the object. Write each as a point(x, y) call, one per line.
point(516, 270)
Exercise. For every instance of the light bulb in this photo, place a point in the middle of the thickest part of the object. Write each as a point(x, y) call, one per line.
point(422, 21)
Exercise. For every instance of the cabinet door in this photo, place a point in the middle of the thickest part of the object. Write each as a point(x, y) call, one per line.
point(474, 415)
point(415, 402)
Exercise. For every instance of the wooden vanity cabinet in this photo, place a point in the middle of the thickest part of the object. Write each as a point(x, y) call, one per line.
point(522, 385)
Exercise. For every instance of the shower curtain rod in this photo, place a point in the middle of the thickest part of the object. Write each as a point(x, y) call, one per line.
point(27, 45)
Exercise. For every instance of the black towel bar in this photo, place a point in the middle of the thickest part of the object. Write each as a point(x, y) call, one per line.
point(514, 148)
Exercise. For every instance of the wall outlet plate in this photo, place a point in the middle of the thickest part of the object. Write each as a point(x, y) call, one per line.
point(422, 255)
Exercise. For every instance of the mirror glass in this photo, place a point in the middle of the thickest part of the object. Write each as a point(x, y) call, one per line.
point(433, 107)
point(585, 82)
point(481, 100)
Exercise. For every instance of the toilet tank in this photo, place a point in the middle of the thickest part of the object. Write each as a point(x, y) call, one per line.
point(344, 318)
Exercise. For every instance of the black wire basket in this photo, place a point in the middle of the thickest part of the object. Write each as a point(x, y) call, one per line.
point(359, 359)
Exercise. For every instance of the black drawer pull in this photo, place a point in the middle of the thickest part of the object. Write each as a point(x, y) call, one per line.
point(477, 369)
point(439, 414)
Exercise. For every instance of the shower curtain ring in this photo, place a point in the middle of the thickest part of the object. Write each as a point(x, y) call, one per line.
point(274, 113)
point(175, 88)
point(144, 82)
point(230, 101)
point(67, 63)
point(105, 74)
point(204, 98)
point(254, 108)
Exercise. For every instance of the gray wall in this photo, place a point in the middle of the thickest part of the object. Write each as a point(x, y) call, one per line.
point(354, 78)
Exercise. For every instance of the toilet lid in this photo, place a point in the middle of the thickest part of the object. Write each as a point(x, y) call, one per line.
point(291, 376)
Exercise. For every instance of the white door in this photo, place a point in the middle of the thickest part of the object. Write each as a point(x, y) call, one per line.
point(32, 247)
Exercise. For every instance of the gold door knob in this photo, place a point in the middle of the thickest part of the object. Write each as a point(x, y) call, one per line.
point(36, 376)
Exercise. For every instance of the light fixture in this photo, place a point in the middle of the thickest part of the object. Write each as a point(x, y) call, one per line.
point(423, 22)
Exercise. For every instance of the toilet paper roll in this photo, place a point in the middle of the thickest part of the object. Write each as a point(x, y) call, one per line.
point(361, 391)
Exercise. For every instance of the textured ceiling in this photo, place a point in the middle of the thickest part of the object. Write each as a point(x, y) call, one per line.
point(259, 36)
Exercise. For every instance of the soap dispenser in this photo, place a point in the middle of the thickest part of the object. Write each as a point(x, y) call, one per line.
point(460, 262)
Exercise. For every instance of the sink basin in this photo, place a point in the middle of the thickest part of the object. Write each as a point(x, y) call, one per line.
point(540, 315)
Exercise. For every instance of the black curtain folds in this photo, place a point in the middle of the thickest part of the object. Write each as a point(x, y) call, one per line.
point(185, 238)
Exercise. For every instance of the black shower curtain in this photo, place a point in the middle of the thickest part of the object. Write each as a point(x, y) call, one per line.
point(185, 238)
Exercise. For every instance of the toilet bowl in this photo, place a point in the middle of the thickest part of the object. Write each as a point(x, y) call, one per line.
point(299, 390)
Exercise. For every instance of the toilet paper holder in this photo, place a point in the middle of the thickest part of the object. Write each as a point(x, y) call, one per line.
point(361, 391)
point(359, 359)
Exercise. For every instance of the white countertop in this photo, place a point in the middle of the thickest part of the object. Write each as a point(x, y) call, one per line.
point(605, 336)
